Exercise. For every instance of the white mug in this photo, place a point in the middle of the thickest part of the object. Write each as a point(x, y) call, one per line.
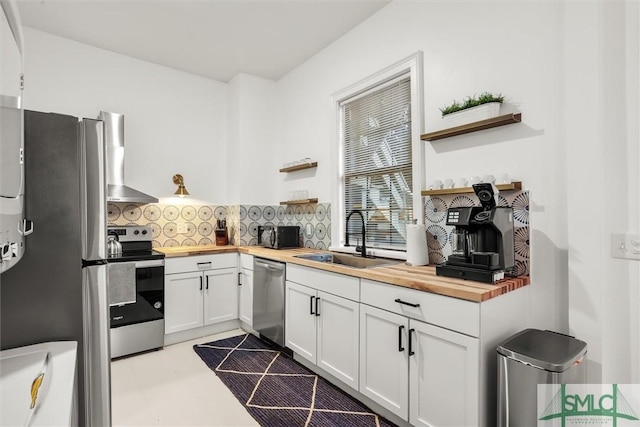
point(448, 183)
point(460, 183)
point(436, 185)
point(503, 178)
point(489, 179)
point(474, 180)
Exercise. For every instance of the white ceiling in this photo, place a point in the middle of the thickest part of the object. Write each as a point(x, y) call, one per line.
point(210, 38)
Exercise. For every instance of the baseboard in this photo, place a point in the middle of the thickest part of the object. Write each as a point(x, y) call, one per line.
point(195, 333)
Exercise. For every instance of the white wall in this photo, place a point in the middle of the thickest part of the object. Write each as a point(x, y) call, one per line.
point(602, 87)
point(555, 66)
point(252, 148)
point(175, 122)
point(520, 58)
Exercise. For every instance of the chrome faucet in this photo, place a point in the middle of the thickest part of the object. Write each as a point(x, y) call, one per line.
point(363, 248)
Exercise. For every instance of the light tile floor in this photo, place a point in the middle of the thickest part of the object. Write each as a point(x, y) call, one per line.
point(173, 387)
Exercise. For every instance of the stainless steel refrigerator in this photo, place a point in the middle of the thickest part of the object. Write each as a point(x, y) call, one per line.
point(58, 291)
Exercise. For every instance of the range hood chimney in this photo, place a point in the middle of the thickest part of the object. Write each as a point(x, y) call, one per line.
point(117, 191)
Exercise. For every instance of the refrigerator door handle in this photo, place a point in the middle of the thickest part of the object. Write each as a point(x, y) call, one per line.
point(93, 190)
point(97, 351)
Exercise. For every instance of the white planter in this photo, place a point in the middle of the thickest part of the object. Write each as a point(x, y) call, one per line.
point(470, 115)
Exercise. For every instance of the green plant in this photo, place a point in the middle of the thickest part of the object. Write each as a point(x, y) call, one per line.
point(469, 102)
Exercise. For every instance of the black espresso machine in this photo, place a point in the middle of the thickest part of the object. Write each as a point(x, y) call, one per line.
point(482, 241)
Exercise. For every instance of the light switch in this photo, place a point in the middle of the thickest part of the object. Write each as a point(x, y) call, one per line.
point(625, 246)
point(182, 228)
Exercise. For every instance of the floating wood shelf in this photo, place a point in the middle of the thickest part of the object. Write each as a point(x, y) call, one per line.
point(473, 127)
point(299, 202)
point(300, 167)
point(515, 185)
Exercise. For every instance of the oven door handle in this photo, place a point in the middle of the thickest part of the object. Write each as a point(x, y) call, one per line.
point(150, 263)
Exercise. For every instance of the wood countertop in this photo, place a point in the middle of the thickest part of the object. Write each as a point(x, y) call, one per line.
point(180, 251)
point(420, 278)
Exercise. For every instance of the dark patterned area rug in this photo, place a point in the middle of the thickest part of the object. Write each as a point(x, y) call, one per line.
point(279, 392)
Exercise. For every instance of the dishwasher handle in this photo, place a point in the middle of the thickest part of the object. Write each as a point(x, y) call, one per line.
point(272, 267)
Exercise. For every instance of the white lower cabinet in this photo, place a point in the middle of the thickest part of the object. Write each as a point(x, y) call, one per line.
point(220, 295)
point(245, 304)
point(183, 302)
point(443, 377)
point(384, 365)
point(422, 373)
point(429, 359)
point(323, 328)
point(300, 320)
point(200, 291)
point(245, 297)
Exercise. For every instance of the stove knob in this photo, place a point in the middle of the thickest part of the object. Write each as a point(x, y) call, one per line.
point(136, 232)
point(144, 232)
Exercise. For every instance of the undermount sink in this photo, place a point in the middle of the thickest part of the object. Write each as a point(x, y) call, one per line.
point(348, 260)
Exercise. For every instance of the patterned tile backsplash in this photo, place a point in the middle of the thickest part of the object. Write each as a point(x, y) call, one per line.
point(199, 222)
point(439, 234)
point(314, 220)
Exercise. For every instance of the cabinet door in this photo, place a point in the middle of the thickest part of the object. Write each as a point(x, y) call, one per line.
point(220, 295)
point(443, 377)
point(384, 365)
point(300, 320)
point(183, 301)
point(337, 328)
point(245, 305)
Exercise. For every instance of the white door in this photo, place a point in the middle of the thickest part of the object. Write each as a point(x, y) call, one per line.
point(300, 320)
point(182, 301)
point(337, 344)
point(220, 295)
point(384, 364)
point(443, 377)
point(245, 304)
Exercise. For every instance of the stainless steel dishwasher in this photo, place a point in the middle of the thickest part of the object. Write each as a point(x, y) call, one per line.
point(268, 299)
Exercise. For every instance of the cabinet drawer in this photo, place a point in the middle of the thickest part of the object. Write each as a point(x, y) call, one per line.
point(246, 261)
point(200, 262)
point(451, 313)
point(333, 283)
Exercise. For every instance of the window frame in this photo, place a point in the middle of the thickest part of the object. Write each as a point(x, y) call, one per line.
point(411, 66)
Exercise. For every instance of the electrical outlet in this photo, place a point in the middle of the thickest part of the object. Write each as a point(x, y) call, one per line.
point(182, 228)
point(625, 245)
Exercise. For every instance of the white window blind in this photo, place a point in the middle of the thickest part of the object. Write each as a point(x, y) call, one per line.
point(377, 175)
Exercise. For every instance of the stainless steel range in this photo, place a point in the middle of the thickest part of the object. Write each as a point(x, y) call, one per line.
point(136, 292)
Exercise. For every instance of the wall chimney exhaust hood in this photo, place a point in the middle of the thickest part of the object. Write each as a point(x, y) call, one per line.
point(117, 191)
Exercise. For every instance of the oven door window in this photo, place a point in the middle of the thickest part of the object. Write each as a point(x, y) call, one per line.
point(149, 303)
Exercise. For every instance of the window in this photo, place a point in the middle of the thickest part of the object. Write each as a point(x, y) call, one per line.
point(380, 156)
point(376, 139)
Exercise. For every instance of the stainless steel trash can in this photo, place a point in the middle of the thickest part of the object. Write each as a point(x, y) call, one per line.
point(533, 357)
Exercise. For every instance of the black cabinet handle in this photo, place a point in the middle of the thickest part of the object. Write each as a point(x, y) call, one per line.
point(239, 279)
point(317, 310)
point(400, 347)
point(399, 301)
point(411, 352)
point(207, 279)
point(311, 305)
point(200, 282)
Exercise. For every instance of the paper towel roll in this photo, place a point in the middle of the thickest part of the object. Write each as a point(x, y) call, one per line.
point(417, 253)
